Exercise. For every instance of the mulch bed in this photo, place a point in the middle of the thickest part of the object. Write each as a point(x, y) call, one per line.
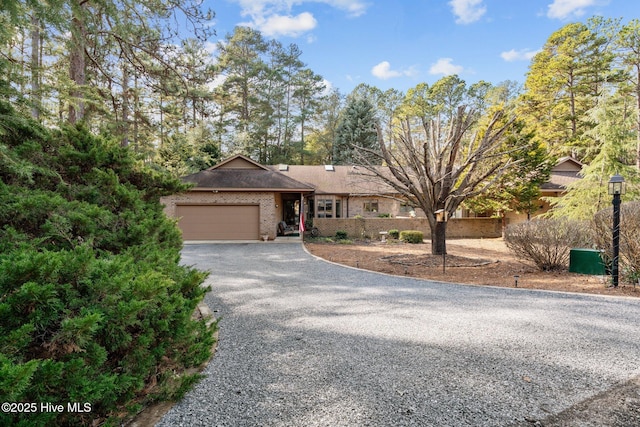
point(435, 260)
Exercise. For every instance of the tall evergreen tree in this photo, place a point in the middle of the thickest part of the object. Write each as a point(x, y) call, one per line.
point(628, 48)
point(83, 60)
point(613, 135)
point(284, 66)
point(564, 82)
point(306, 96)
point(356, 131)
point(325, 123)
point(385, 103)
point(241, 62)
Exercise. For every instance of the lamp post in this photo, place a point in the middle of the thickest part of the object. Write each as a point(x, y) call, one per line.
point(616, 189)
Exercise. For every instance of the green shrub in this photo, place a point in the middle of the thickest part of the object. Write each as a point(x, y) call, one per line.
point(547, 242)
point(341, 235)
point(321, 240)
point(94, 306)
point(394, 234)
point(411, 236)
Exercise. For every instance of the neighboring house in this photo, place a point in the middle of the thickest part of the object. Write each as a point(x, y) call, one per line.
point(566, 171)
point(240, 199)
point(237, 199)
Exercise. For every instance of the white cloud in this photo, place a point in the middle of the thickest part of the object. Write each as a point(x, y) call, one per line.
point(383, 71)
point(518, 55)
point(210, 47)
point(467, 11)
point(273, 17)
point(562, 9)
point(353, 7)
point(217, 81)
point(328, 87)
point(445, 66)
point(292, 26)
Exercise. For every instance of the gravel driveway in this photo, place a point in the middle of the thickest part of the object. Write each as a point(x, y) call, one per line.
point(307, 343)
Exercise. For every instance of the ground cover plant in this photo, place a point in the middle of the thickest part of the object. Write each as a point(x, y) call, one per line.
point(95, 309)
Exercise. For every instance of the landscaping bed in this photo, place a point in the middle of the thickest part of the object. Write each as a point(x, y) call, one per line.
point(485, 262)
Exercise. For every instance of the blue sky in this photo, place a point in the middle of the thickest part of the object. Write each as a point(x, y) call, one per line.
point(398, 44)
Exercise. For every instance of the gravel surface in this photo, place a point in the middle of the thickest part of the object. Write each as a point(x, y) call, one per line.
point(307, 343)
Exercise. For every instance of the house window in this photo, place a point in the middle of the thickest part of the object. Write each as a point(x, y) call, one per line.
point(370, 206)
point(338, 208)
point(324, 208)
point(406, 208)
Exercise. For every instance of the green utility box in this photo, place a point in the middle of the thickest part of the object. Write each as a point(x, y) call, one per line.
point(587, 261)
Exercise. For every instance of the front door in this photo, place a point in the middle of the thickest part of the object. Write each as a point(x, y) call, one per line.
point(291, 211)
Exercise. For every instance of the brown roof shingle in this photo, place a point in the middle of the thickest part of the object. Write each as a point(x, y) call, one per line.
point(566, 171)
point(339, 179)
point(242, 174)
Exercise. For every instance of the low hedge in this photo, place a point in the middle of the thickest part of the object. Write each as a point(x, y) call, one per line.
point(341, 235)
point(411, 236)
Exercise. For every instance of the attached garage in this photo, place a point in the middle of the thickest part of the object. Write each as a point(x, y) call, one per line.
point(219, 222)
point(237, 199)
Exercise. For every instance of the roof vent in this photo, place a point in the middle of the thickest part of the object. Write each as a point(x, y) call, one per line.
point(283, 168)
point(329, 168)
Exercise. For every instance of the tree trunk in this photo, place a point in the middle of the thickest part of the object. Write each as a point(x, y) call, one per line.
point(439, 239)
point(302, 140)
point(36, 95)
point(77, 68)
point(638, 116)
point(136, 112)
point(124, 139)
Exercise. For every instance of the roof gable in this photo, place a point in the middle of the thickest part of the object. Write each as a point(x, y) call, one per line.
point(566, 171)
point(240, 173)
point(567, 164)
point(238, 162)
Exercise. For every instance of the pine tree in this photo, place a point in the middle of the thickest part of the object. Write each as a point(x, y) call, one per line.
point(93, 301)
point(564, 82)
point(628, 44)
point(614, 139)
point(356, 131)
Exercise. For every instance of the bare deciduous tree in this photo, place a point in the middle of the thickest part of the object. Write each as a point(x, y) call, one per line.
point(444, 165)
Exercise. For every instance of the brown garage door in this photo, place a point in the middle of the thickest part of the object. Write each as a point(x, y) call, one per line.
point(219, 222)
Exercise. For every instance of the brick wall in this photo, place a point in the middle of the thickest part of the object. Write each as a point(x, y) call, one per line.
point(355, 227)
point(371, 227)
point(385, 206)
point(266, 201)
